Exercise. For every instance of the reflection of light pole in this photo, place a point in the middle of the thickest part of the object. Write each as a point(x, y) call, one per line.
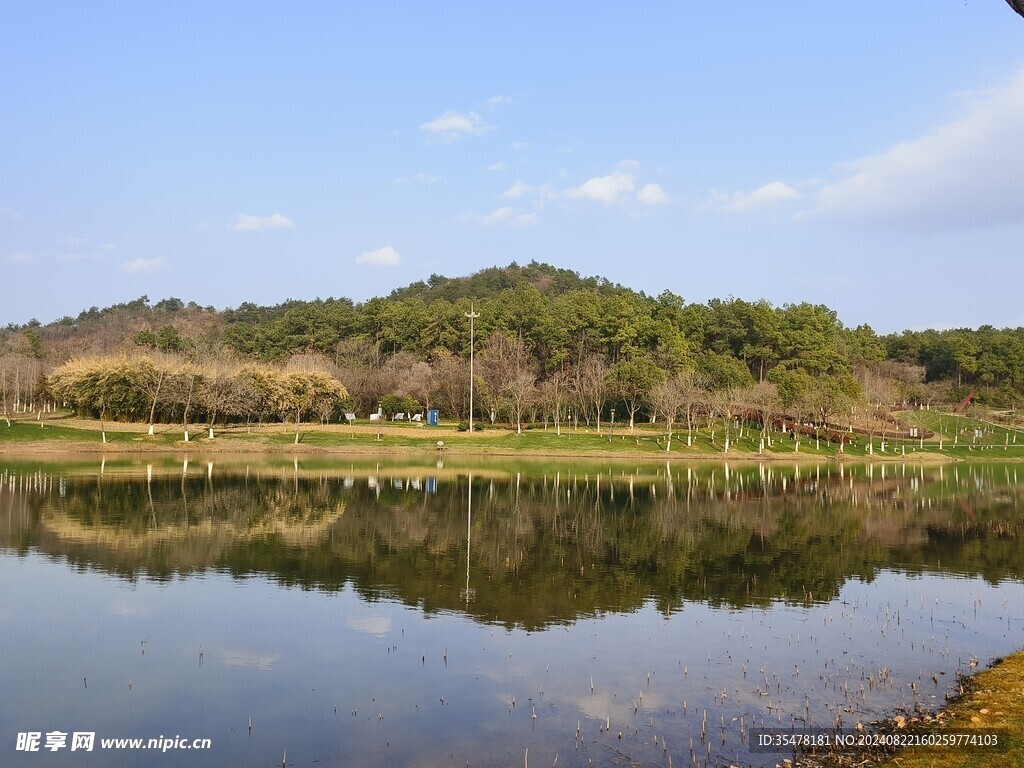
point(472, 316)
point(468, 594)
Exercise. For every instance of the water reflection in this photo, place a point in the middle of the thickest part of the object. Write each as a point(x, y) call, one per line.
point(543, 549)
point(389, 614)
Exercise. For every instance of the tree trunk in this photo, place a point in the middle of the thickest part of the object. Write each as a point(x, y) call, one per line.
point(188, 402)
point(156, 395)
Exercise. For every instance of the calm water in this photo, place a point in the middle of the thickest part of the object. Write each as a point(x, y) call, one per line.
point(394, 614)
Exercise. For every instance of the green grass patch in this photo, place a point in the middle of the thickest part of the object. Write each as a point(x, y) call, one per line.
point(644, 441)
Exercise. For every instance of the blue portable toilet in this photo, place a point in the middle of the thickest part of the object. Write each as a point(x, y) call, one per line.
point(432, 417)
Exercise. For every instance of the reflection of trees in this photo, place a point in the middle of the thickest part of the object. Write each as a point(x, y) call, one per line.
point(549, 549)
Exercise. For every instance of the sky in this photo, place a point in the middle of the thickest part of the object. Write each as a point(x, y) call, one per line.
point(868, 157)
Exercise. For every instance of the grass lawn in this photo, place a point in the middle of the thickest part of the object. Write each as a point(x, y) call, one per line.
point(955, 439)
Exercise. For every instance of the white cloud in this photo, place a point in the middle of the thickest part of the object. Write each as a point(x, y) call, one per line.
point(501, 165)
point(381, 257)
point(142, 265)
point(248, 223)
point(108, 247)
point(453, 125)
point(519, 189)
point(652, 194)
point(9, 213)
point(610, 189)
point(19, 257)
point(498, 101)
point(520, 146)
point(962, 175)
point(75, 256)
point(507, 215)
point(740, 202)
point(418, 178)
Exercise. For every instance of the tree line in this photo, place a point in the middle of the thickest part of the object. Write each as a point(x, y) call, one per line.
point(549, 344)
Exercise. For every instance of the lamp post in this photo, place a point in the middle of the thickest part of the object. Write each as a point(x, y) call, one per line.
point(472, 315)
point(613, 422)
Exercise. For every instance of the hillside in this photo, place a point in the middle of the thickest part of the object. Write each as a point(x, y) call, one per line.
point(557, 320)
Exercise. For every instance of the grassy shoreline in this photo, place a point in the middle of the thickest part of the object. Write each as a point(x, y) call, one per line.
point(991, 703)
point(63, 434)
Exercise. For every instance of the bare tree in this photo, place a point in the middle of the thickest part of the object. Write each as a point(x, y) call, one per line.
point(521, 391)
point(451, 382)
point(879, 393)
point(508, 375)
point(591, 386)
point(725, 403)
point(553, 393)
point(420, 382)
point(3, 394)
point(672, 396)
point(182, 389)
point(151, 378)
point(763, 399)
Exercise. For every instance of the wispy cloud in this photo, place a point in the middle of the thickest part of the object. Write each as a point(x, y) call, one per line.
point(108, 247)
point(453, 125)
point(9, 213)
point(418, 178)
point(964, 174)
point(501, 165)
point(765, 196)
point(519, 189)
point(499, 101)
point(381, 257)
point(75, 256)
point(507, 215)
point(248, 223)
point(19, 257)
point(143, 265)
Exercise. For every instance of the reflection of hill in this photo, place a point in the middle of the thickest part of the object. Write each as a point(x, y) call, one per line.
point(548, 549)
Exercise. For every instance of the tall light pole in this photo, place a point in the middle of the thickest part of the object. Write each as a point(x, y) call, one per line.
point(472, 315)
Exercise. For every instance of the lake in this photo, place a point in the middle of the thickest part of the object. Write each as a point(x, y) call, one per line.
point(330, 612)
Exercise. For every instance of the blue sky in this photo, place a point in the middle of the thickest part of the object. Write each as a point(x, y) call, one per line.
point(867, 157)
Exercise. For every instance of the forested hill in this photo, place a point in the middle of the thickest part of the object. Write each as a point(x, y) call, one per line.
point(491, 282)
point(549, 321)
